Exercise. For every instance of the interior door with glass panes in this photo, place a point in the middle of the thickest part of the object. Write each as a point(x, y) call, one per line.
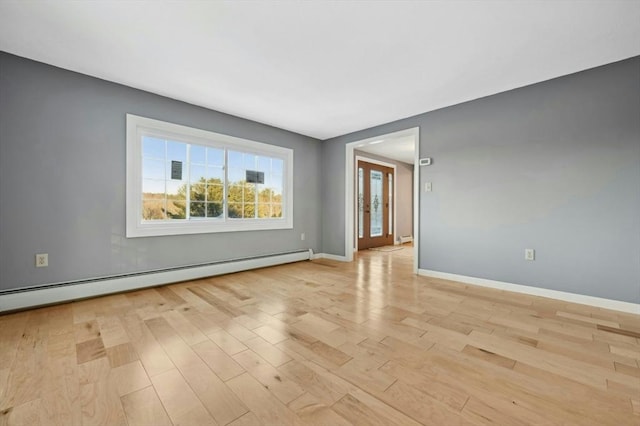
point(375, 205)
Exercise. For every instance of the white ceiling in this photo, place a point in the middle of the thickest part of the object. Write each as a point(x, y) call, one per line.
point(323, 68)
point(400, 148)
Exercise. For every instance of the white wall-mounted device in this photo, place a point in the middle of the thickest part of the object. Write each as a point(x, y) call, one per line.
point(425, 161)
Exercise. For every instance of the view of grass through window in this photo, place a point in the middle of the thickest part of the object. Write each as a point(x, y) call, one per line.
point(184, 181)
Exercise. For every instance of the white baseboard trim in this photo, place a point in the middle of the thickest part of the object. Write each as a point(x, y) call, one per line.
point(616, 305)
point(81, 290)
point(330, 257)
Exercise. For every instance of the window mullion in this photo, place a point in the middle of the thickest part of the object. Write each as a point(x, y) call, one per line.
point(225, 203)
point(255, 190)
point(187, 210)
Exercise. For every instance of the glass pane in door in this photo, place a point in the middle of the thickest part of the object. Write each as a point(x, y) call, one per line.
point(360, 202)
point(390, 202)
point(376, 203)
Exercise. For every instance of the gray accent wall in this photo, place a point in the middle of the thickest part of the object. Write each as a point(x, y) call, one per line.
point(62, 180)
point(554, 166)
point(404, 193)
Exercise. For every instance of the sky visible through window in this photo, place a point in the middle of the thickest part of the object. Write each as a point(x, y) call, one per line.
point(201, 171)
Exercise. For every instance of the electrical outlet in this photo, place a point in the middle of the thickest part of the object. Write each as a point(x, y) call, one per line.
point(302, 237)
point(42, 260)
point(529, 254)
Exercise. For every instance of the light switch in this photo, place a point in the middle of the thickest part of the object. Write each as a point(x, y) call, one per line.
point(427, 187)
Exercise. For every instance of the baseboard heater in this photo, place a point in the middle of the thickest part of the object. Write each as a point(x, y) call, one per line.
point(48, 294)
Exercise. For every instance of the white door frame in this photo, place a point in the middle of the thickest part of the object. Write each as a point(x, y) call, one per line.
point(395, 187)
point(350, 185)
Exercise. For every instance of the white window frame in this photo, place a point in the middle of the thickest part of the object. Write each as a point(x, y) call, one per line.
point(137, 127)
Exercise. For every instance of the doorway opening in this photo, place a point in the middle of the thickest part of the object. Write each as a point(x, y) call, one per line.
point(351, 184)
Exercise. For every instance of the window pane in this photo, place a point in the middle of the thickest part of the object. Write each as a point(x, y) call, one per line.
point(360, 202)
point(215, 157)
point(264, 165)
point(277, 166)
point(276, 210)
point(235, 210)
point(376, 203)
point(249, 210)
point(197, 209)
point(153, 209)
point(249, 193)
point(214, 210)
point(198, 192)
point(152, 187)
point(176, 151)
point(249, 161)
point(264, 195)
point(198, 155)
point(390, 203)
point(234, 194)
point(153, 169)
point(153, 147)
point(235, 159)
point(176, 190)
point(176, 209)
point(215, 193)
point(236, 175)
point(264, 210)
point(198, 173)
point(215, 172)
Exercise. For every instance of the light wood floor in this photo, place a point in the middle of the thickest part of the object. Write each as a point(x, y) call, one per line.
point(321, 343)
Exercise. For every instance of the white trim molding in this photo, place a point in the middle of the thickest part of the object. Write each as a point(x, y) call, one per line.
point(66, 292)
point(350, 185)
point(330, 257)
point(140, 127)
point(599, 302)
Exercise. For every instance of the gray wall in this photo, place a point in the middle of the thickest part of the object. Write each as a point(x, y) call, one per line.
point(554, 166)
point(404, 193)
point(62, 179)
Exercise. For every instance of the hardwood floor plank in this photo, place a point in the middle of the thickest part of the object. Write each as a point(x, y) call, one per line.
point(360, 408)
point(281, 386)
point(121, 354)
point(320, 342)
point(326, 387)
point(112, 332)
point(216, 397)
point(143, 408)
point(269, 352)
point(181, 403)
point(22, 384)
point(218, 361)
point(489, 356)
point(101, 404)
point(227, 342)
point(130, 378)
point(151, 354)
point(266, 407)
point(28, 413)
point(90, 350)
point(60, 400)
point(189, 332)
point(440, 389)
point(313, 412)
point(419, 406)
point(621, 331)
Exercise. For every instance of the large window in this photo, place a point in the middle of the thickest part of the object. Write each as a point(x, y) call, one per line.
point(182, 180)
